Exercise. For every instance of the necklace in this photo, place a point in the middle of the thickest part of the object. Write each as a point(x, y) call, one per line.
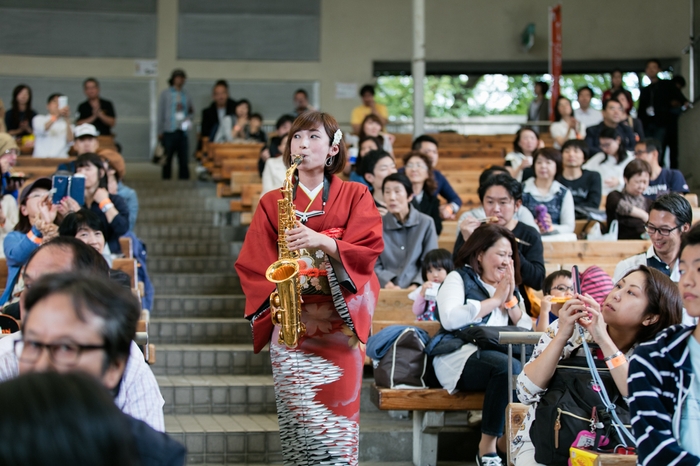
point(306, 215)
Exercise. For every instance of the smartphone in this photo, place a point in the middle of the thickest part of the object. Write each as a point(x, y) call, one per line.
point(76, 188)
point(353, 152)
point(59, 186)
point(576, 279)
point(62, 101)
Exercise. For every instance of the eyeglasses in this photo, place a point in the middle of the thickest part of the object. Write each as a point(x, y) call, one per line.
point(641, 152)
point(63, 354)
point(418, 166)
point(563, 288)
point(11, 152)
point(662, 231)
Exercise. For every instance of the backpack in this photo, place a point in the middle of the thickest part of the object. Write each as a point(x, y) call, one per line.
point(405, 362)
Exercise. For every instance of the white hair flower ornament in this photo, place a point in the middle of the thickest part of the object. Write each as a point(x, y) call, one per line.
point(337, 137)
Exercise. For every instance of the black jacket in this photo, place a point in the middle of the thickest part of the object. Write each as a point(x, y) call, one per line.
point(430, 206)
point(210, 118)
point(156, 448)
point(626, 134)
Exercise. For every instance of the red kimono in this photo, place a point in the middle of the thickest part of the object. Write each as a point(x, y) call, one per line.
point(317, 384)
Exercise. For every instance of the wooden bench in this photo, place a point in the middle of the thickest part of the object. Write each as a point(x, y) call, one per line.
point(29, 161)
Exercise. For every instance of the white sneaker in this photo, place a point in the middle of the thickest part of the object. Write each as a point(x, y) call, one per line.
point(488, 461)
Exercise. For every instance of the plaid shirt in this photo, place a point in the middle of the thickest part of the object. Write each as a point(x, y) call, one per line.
point(139, 395)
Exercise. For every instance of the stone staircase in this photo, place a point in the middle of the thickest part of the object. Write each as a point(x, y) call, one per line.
point(219, 396)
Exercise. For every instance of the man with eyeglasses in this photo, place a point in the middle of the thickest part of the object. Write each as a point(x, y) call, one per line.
point(663, 180)
point(670, 216)
point(78, 322)
point(136, 390)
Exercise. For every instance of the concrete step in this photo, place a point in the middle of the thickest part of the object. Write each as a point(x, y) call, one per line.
point(167, 217)
point(182, 232)
point(194, 264)
point(212, 359)
point(175, 201)
point(209, 283)
point(191, 306)
point(193, 248)
point(237, 439)
point(199, 330)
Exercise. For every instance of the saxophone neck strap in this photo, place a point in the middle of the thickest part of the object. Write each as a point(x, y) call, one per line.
point(305, 216)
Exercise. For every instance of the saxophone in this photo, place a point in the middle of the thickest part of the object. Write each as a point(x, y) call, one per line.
point(285, 301)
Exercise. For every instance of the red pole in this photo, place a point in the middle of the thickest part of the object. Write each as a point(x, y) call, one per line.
point(554, 54)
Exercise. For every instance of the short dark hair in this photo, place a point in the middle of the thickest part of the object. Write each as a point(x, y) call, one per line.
point(418, 142)
point(609, 101)
point(370, 160)
point(482, 239)
point(543, 85)
point(438, 259)
point(221, 82)
point(85, 258)
point(76, 221)
point(244, 101)
point(651, 144)
point(584, 88)
point(284, 119)
point(677, 205)
point(256, 115)
point(399, 178)
point(53, 96)
point(430, 184)
point(91, 428)
point(611, 133)
point(115, 305)
point(516, 141)
point(366, 88)
point(91, 80)
point(548, 153)
point(491, 171)
point(90, 158)
point(653, 60)
point(690, 238)
point(549, 280)
point(635, 167)
point(302, 91)
point(510, 184)
point(311, 120)
point(577, 143)
point(663, 300)
point(678, 80)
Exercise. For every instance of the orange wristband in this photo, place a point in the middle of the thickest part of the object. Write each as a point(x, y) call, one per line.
point(33, 238)
point(104, 203)
point(617, 361)
point(512, 303)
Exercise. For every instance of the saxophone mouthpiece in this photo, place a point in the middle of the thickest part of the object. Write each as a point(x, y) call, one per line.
point(297, 159)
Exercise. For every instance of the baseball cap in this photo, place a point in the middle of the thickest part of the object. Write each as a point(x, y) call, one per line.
point(44, 183)
point(7, 142)
point(86, 129)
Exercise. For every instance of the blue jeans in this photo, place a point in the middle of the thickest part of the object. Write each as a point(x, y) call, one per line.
point(172, 143)
point(487, 371)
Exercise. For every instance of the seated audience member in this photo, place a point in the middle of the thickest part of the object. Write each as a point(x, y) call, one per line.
point(538, 110)
point(435, 267)
point(521, 213)
point(617, 87)
point(565, 126)
point(429, 146)
point(301, 102)
point(111, 208)
point(255, 132)
point(91, 430)
point(628, 119)
point(501, 197)
point(37, 215)
point(377, 165)
point(482, 290)
point(663, 180)
point(587, 115)
point(556, 285)
point(275, 169)
point(408, 236)
point(240, 129)
point(611, 162)
point(650, 301)
point(544, 190)
point(138, 394)
point(585, 185)
point(8, 159)
point(612, 118)
point(282, 127)
point(526, 142)
point(365, 146)
point(664, 379)
point(419, 171)
point(96, 111)
point(86, 226)
point(373, 127)
point(670, 216)
point(212, 116)
point(53, 132)
point(629, 207)
point(18, 119)
point(368, 107)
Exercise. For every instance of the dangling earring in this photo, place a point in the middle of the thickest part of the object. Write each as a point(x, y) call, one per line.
point(329, 161)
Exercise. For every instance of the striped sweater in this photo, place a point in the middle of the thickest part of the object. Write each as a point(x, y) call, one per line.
point(660, 375)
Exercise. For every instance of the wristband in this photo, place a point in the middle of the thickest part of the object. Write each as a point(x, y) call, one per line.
point(512, 303)
point(34, 238)
point(616, 360)
point(104, 203)
point(54, 118)
point(107, 207)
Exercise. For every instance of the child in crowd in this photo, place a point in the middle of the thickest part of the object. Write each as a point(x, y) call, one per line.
point(556, 285)
point(436, 265)
point(255, 131)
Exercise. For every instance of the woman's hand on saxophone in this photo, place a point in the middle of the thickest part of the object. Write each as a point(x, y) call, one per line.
point(303, 237)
